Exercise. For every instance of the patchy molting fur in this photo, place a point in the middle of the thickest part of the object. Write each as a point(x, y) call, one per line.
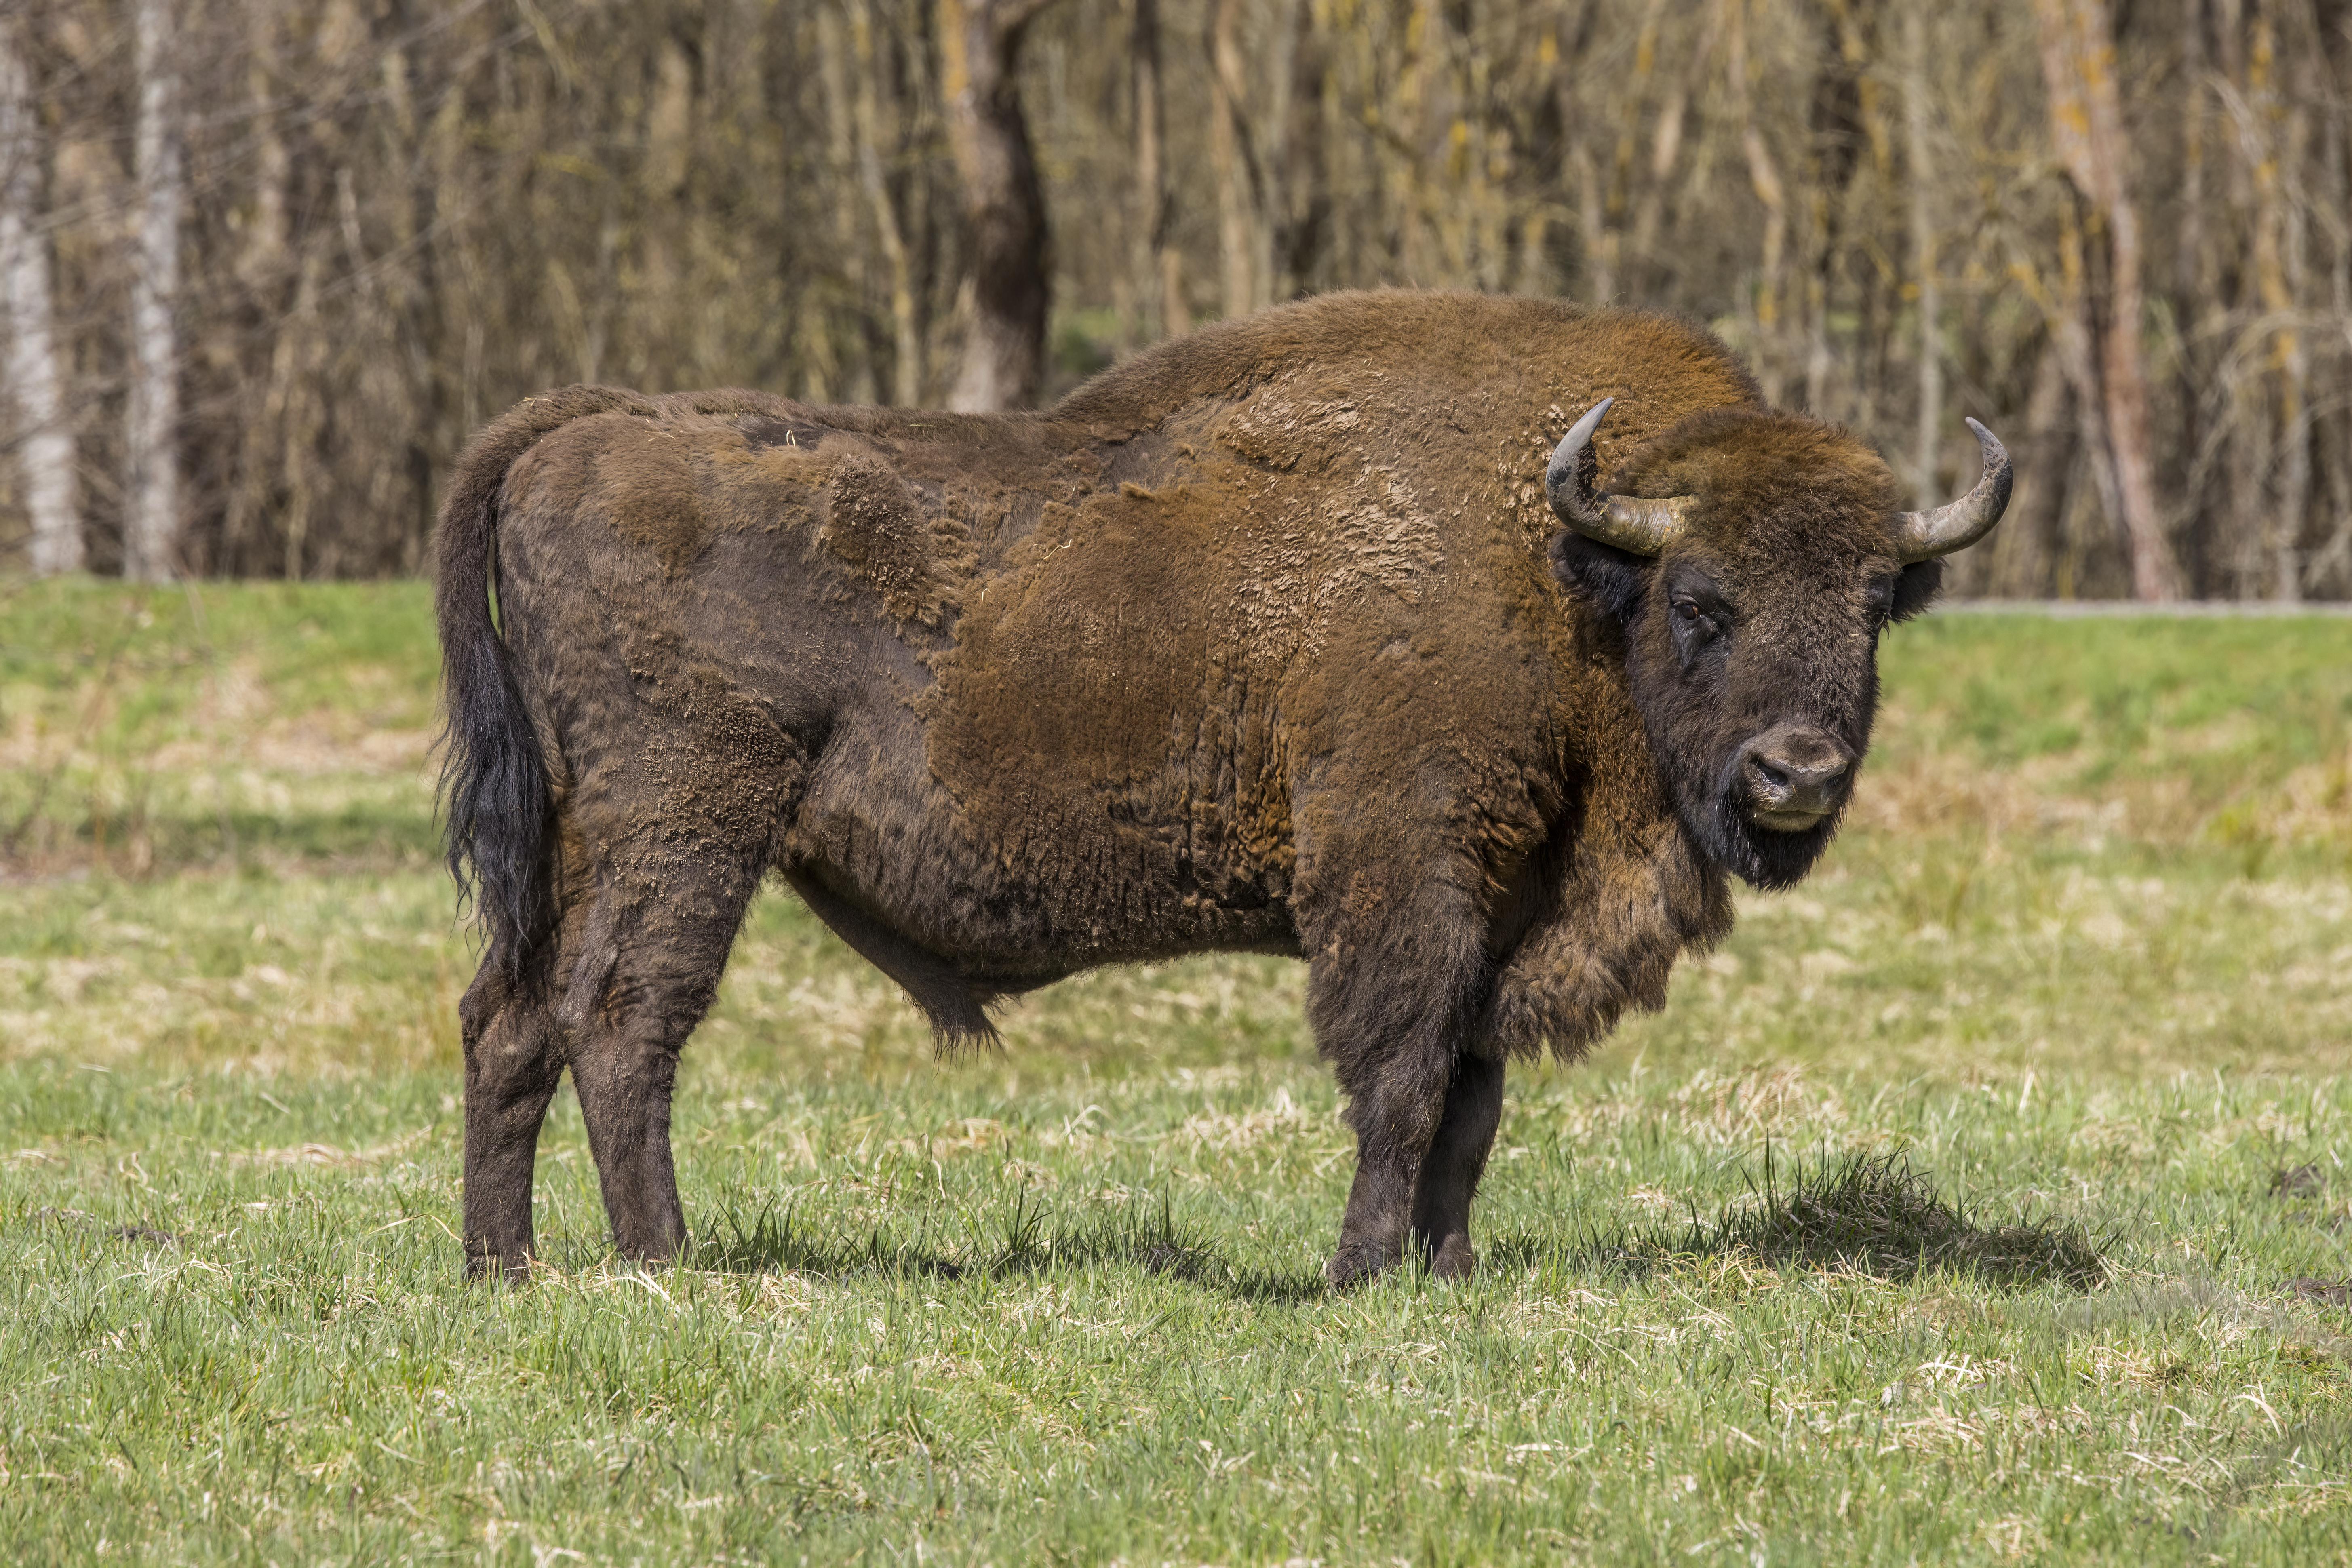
point(1266, 640)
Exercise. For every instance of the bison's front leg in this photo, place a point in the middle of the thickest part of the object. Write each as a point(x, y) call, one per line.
point(1390, 999)
point(1395, 1121)
point(1457, 1159)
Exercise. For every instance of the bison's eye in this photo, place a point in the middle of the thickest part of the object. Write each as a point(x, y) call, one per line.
point(1692, 621)
point(1694, 630)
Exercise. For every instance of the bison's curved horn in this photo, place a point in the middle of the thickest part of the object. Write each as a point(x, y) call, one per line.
point(1923, 535)
point(1638, 527)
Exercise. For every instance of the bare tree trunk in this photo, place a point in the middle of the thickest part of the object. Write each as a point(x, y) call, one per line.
point(1599, 240)
point(2078, 65)
point(1925, 484)
point(1666, 142)
point(44, 450)
point(262, 265)
point(419, 324)
point(2189, 252)
point(2026, 552)
point(1228, 160)
point(1604, 217)
point(1003, 203)
point(2200, 301)
point(1832, 155)
point(1404, 156)
point(1300, 178)
point(1159, 265)
point(2330, 561)
point(1764, 176)
point(306, 348)
point(2272, 146)
point(151, 498)
point(848, 192)
point(906, 355)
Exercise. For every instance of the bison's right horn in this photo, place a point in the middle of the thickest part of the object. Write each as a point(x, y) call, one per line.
point(1956, 525)
point(1638, 527)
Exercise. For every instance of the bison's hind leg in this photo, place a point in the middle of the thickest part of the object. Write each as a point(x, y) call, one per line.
point(637, 964)
point(665, 840)
point(513, 1061)
point(650, 962)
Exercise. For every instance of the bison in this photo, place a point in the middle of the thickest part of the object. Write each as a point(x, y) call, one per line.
point(1310, 634)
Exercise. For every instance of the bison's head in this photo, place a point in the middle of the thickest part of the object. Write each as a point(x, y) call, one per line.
point(1753, 559)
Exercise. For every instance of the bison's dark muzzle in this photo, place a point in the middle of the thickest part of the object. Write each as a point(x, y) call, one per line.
point(1793, 776)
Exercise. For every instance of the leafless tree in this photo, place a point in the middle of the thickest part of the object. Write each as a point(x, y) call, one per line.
point(152, 482)
point(1003, 203)
point(2118, 235)
point(2079, 66)
point(46, 451)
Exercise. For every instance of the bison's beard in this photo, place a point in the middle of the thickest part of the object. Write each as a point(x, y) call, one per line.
point(1771, 860)
point(1714, 810)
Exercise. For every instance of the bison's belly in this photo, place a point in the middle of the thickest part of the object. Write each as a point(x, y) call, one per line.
point(1048, 876)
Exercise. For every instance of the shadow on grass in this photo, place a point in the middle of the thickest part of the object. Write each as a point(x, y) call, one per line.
point(1024, 1241)
point(1874, 1214)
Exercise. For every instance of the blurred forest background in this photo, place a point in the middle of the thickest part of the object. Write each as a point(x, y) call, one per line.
point(265, 264)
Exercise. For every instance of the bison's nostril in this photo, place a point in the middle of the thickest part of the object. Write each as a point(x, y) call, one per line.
point(1796, 773)
point(1828, 770)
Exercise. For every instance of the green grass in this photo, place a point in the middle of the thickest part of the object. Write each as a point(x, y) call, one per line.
point(205, 724)
point(1939, 1218)
point(2237, 730)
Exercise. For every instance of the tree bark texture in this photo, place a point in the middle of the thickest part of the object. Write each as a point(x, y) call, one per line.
point(1003, 203)
point(2078, 66)
point(394, 219)
point(45, 449)
point(907, 360)
point(1238, 204)
point(1926, 484)
point(1159, 265)
point(152, 479)
point(1299, 179)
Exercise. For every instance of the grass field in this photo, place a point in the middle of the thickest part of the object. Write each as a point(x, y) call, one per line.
point(1981, 1201)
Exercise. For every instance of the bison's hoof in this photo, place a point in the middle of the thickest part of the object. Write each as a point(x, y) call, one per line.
point(1353, 1264)
point(484, 1267)
point(1455, 1259)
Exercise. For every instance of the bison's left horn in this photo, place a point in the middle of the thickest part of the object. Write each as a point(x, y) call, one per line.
point(1923, 535)
point(1638, 527)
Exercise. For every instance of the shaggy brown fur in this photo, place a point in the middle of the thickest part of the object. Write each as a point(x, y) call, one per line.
point(1267, 640)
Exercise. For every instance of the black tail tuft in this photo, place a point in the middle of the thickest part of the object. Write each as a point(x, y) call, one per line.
point(498, 806)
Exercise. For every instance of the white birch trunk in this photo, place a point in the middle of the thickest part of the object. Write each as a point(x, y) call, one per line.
point(44, 450)
point(152, 490)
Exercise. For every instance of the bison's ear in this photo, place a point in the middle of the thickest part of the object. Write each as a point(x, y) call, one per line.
point(1617, 578)
point(1915, 587)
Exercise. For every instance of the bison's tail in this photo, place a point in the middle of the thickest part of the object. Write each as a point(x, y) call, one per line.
point(498, 806)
